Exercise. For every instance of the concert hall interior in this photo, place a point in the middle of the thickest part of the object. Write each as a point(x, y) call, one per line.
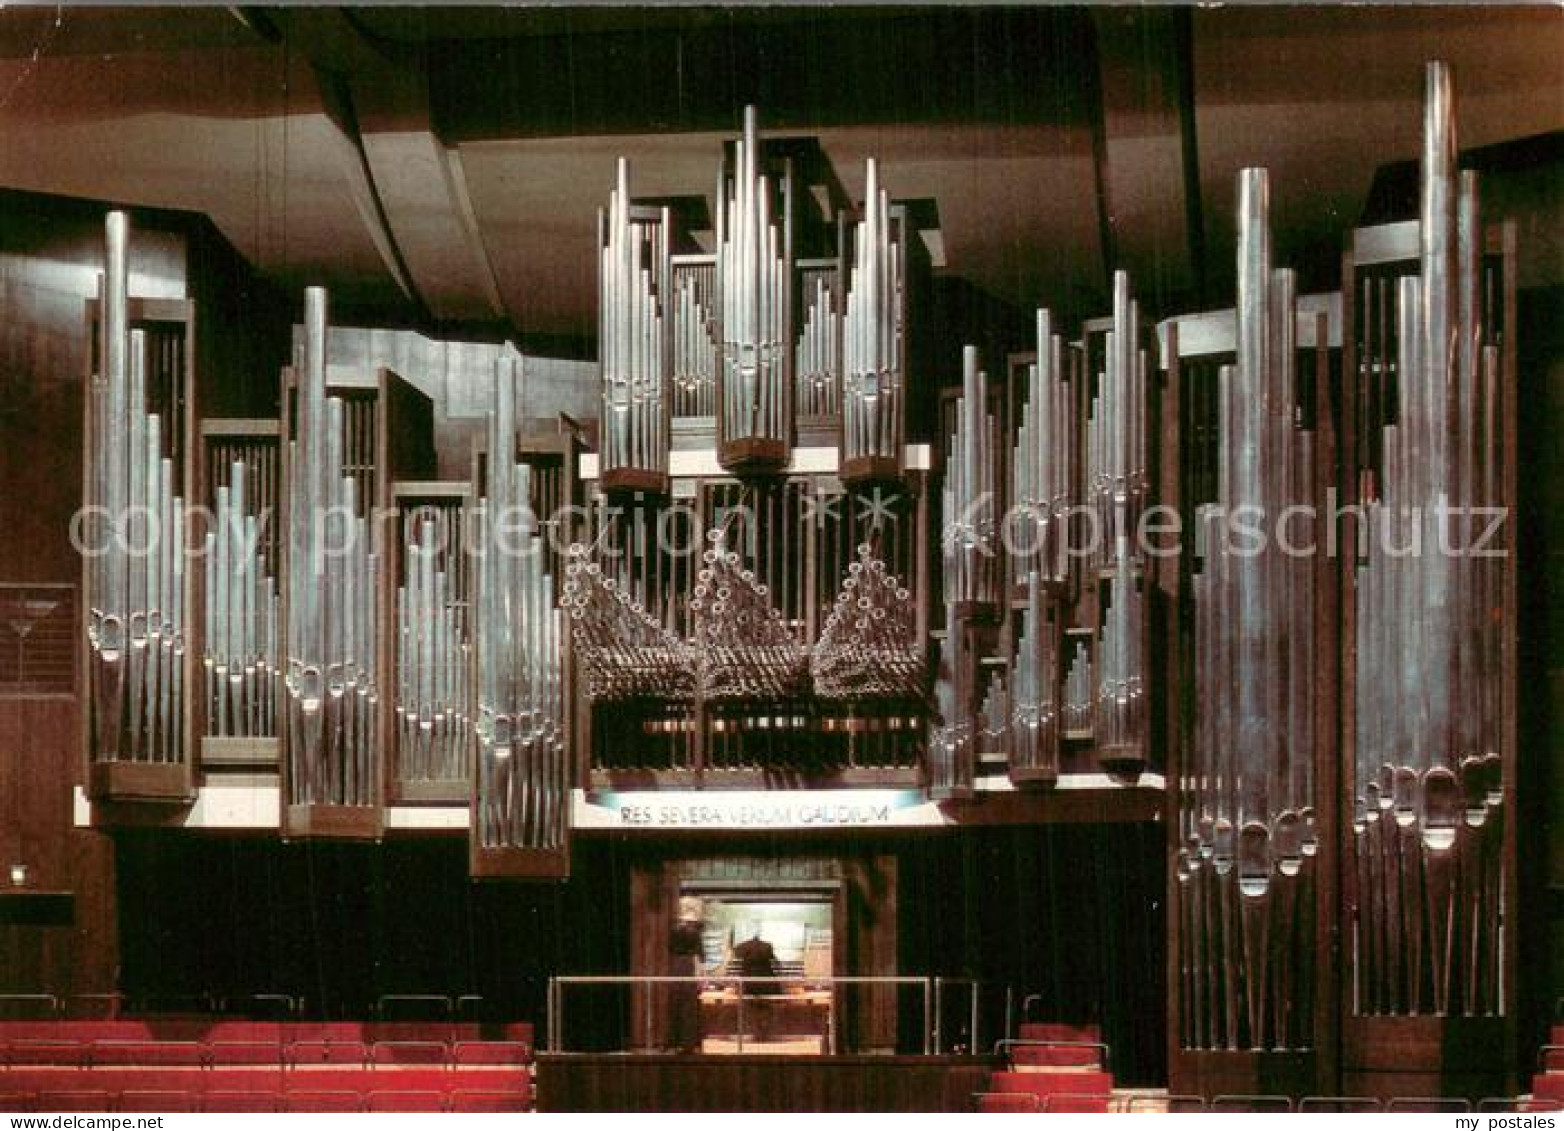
point(817, 558)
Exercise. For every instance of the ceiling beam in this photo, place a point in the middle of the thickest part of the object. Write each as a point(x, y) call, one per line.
point(409, 184)
point(1148, 162)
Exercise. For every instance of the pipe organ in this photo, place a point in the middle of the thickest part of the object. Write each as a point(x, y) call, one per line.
point(772, 574)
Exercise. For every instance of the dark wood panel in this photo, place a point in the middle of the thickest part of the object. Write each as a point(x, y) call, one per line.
point(41, 765)
point(587, 1082)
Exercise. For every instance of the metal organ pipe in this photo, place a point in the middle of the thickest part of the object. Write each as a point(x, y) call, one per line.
point(135, 582)
point(433, 705)
point(523, 785)
point(633, 276)
point(1429, 810)
point(330, 677)
point(1247, 827)
point(694, 348)
point(239, 656)
point(873, 367)
point(971, 574)
point(753, 278)
point(1120, 485)
point(817, 364)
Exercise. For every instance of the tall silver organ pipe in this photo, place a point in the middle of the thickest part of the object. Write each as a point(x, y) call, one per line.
point(1246, 864)
point(952, 751)
point(1041, 488)
point(1428, 821)
point(967, 540)
point(330, 683)
point(873, 365)
point(633, 277)
point(1116, 472)
point(817, 362)
point(1079, 690)
point(694, 346)
point(136, 577)
point(433, 708)
point(1035, 719)
point(243, 604)
point(1119, 485)
point(522, 781)
point(754, 395)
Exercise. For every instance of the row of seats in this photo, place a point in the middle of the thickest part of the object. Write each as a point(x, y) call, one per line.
point(29, 1051)
point(107, 1088)
point(214, 1029)
point(1319, 1105)
point(252, 1100)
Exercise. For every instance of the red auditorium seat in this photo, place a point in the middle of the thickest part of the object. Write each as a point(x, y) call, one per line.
point(84, 1101)
point(522, 1032)
point(1057, 1056)
point(1042, 1084)
point(1551, 1058)
point(147, 1054)
point(155, 1101)
point(244, 1032)
point(440, 1032)
point(300, 1053)
point(406, 1101)
point(472, 1102)
point(491, 1052)
point(996, 1103)
point(16, 1101)
point(1549, 1086)
point(1094, 1104)
point(1057, 1031)
point(225, 1053)
point(240, 1101)
point(35, 1051)
point(410, 1052)
point(335, 1101)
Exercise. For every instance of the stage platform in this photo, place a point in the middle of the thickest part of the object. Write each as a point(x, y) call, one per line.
point(568, 1082)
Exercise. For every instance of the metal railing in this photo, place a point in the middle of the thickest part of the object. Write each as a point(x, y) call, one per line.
point(926, 985)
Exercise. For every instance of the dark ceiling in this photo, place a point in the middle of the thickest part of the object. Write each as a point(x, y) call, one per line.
point(444, 166)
